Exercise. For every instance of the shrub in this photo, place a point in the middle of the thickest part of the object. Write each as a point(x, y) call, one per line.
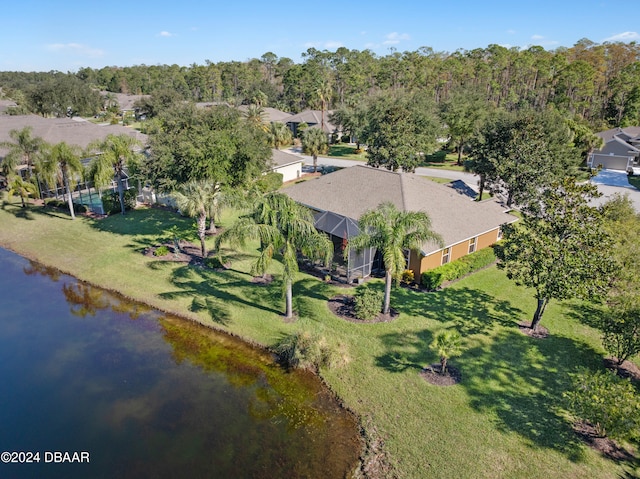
point(407, 276)
point(161, 251)
point(111, 201)
point(345, 139)
point(431, 279)
point(305, 350)
point(437, 157)
point(368, 302)
point(434, 278)
point(269, 182)
point(609, 403)
point(55, 203)
point(80, 208)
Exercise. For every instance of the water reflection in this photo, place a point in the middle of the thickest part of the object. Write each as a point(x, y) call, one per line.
point(154, 397)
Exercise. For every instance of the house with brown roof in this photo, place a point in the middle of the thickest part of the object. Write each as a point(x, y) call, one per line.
point(621, 150)
point(339, 199)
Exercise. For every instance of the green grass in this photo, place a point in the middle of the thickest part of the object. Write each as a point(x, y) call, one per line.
point(450, 163)
point(634, 181)
point(505, 419)
point(346, 152)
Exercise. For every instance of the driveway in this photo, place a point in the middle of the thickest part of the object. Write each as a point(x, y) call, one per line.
point(613, 182)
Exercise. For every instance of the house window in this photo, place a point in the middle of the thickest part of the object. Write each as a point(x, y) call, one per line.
point(499, 234)
point(472, 245)
point(445, 255)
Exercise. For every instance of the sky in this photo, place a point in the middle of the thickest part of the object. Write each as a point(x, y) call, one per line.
point(65, 35)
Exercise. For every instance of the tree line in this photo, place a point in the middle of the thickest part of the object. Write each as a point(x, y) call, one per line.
point(597, 83)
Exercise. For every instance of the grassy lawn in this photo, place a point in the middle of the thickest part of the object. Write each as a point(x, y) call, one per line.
point(504, 420)
point(346, 152)
point(634, 181)
point(449, 163)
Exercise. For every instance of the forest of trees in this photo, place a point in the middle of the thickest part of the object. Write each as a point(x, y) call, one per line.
point(598, 84)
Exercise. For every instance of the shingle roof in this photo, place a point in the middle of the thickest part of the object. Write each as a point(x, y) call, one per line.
point(313, 117)
point(55, 130)
point(629, 131)
point(352, 191)
point(281, 158)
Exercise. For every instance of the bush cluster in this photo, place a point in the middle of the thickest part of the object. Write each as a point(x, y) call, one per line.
point(161, 251)
point(269, 182)
point(111, 201)
point(434, 278)
point(607, 402)
point(305, 350)
point(368, 302)
point(437, 157)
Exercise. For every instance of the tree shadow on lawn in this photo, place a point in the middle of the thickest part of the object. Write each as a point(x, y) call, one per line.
point(216, 291)
point(588, 314)
point(521, 381)
point(471, 311)
point(145, 221)
point(406, 350)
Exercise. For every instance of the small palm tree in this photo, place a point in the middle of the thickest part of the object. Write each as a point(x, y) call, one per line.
point(24, 189)
point(284, 228)
point(392, 232)
point(114, 154)
point(194, 199)
point(63, 163)
point(314, 143)
point(280, 135)
point(447, 345)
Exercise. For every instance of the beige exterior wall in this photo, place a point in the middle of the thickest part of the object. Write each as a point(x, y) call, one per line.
point(457, 251)
point(290, 172)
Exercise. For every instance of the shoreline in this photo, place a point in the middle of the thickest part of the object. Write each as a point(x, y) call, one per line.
point(365, 434)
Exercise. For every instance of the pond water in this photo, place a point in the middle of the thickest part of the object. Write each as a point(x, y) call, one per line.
point(149, 395)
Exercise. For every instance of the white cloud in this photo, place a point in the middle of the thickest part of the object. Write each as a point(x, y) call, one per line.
point(333, 44)
point(76, 48)
point(511, 31)
point(623, 37)
point(164, 33)
point(394, 38)
point(328, 45)
point(537, 37)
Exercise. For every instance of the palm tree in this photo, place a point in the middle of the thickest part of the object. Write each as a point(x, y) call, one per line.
point(314, 143)
point(446, 344)
point(114, 155)
point(24, 150)
point(22, 188)
point(284, 228)
point(256, 116)
point(194, 199)
point(63, 163)
point(392, 232)
point(280, 135)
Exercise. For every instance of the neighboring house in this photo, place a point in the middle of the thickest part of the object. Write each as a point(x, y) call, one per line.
point(74, 131)
point(290, 166)
point(621, 150)
point(339, 199)
point(272, 115)
point(313, 118)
